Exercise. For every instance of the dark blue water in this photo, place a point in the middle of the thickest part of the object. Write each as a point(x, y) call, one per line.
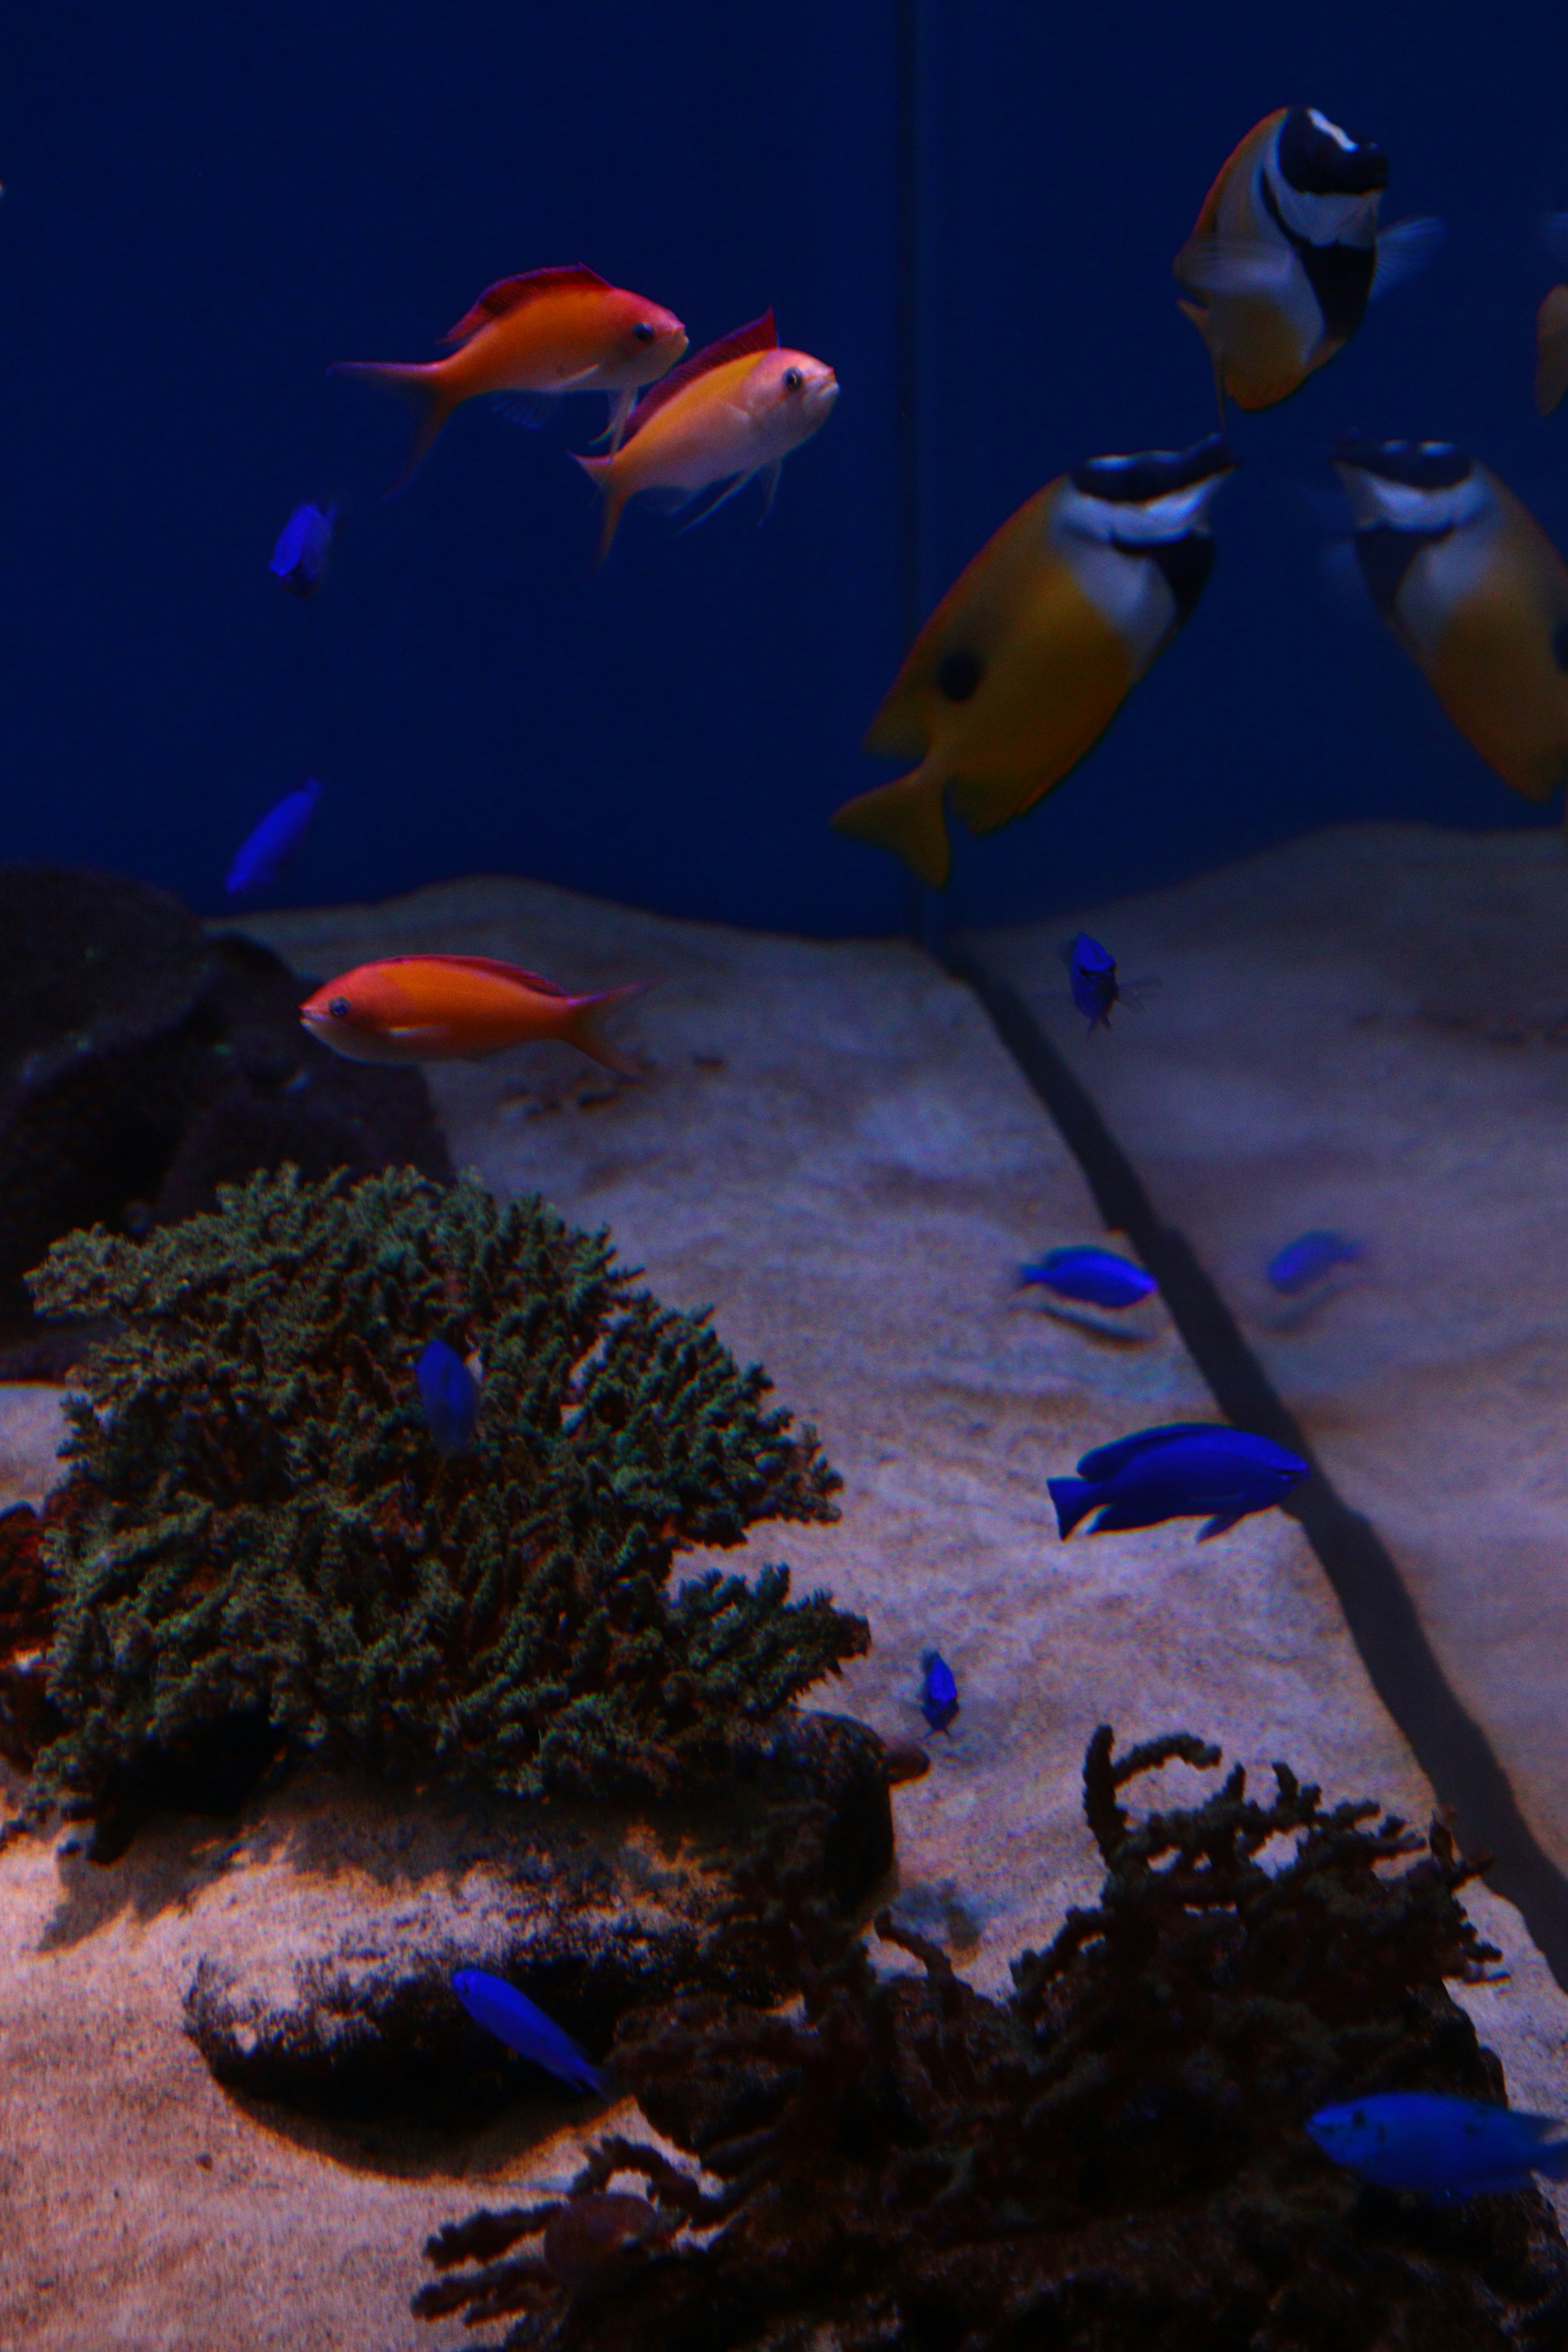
point(202, 213)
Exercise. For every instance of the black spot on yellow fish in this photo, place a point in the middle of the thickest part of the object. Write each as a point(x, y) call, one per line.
point(959, 675)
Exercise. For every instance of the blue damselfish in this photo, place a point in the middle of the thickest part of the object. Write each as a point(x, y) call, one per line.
point(1447, 2147)
point(450, 1396)
point(263, 855)
point(939, 1691)
point(1183, 1470)
point(1097, 1277)
point(304, 543)
point(1308, 1259)
point(512, 2018)
point(1091, 976)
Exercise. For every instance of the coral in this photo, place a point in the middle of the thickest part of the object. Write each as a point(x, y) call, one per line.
point(1113, 2156)
point(257, 1530)
point(142, 1062)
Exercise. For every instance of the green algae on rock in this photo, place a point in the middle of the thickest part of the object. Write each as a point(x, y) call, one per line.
point(257, 1527)
point(1113, 2156)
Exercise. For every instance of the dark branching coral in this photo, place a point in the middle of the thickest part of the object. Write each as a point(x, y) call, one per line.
point(143, 1062)
point(258, 1530)
point(1113, 2158)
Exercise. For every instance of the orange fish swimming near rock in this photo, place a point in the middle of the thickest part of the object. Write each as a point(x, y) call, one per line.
point(530, 340)
point(733, 413)
point(454, 1008)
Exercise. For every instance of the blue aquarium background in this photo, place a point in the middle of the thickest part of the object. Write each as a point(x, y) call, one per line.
point(969, 212)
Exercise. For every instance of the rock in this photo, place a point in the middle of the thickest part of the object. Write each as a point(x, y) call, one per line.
point(141, 1063)
point(326, 1978)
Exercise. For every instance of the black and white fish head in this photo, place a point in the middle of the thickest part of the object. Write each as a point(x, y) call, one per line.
point(1319, 183)
point(1136, 533)
point(1413, 500)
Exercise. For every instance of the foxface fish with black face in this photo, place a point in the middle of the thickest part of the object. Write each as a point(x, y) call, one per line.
point(1476, 593)
point(1024, 662)
point(1286, 253)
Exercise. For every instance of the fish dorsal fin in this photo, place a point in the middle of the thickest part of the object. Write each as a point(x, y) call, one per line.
point(762, 335)
point(1105, 1461)
point(510, 293)
point(493, 966)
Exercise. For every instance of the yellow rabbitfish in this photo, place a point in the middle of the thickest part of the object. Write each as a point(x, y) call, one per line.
point(1024, 662)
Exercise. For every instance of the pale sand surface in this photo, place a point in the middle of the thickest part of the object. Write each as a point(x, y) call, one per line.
point(830, 1147)
point(1368, 1031)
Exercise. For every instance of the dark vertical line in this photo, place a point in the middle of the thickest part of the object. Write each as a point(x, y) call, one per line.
point(1451, 1747)
point(913, 70)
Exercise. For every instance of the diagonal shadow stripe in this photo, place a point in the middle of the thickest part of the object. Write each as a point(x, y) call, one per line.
point(1451, 1747)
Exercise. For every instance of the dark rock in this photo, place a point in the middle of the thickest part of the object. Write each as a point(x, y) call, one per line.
point(142, 1062)
point(330, 1988)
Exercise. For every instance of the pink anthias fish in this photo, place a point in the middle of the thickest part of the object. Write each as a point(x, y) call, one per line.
point(732, 413)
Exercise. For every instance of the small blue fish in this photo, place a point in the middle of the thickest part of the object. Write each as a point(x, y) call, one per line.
point(512, 2018)
point(263, 855)
point(299, 559)
point(450, 1396)
point(1302, 1263)
point(1448, 2148)
point(1091, 976)
point(1185, 1470)
point(938, 1691)
point(1095, 1276)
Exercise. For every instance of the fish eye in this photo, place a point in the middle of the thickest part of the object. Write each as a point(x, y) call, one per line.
point(338, 1006)
point(793, 380)
point(643, 331)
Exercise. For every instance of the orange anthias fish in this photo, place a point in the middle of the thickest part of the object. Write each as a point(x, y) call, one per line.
point(734, 410)
point(533, 338)
point(452, 1008)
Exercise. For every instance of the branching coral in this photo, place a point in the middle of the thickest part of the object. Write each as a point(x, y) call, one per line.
point(1114, 2156)
point(258, 1527)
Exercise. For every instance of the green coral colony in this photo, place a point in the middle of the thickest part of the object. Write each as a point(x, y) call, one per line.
point(257, 1527)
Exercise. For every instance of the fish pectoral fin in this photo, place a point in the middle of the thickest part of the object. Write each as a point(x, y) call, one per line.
point(616, 424)
point(417, 1032)
point(713, 505)
point(1236, 265)
point(1403, 249)
point(770, 482)
point(531, 409)
point(666, 497)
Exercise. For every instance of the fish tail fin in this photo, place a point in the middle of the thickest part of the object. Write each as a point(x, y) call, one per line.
point(582, 1027)
point(1551, 2159)
point(601, 472)
point(427, 392)
point(906, 817)
point(1074, 1499)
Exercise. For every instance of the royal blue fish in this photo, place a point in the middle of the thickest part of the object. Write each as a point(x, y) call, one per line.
point(1096, 1277)
point(939, 1691)
point(450, 1396)
point(1448, 2148)
point(263, 855)
point(512, 2018)
point(1185, 1470)
point(1091, 976)
point(304, 543)
point(1302, 1263)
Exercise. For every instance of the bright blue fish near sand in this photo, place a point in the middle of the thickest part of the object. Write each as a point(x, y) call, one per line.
point(512, 2018)
point(939, 1691)
point(1302, 1263)
point(304, 543)
point(1096, 1277)
point(1185, 1470)
point(1448, 2148)
point(450, 1396)
point(263, 855)
point(1091, 976)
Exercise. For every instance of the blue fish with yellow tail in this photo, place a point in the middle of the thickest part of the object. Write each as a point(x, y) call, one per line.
point(1183, 1470)
point(1446, 2147)
point(1093, 1277)
point(513, 2019)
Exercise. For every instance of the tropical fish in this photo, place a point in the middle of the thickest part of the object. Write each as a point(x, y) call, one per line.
point(528, 340)
point(299, 559)
point(1286, 253)
point(264, 853)
point(939, 1691)
point(1091, 976)
point(1095, 1278)
point(450, 1008)
point(512, 2018)
point(1185, 1470)
point(1448, 2148)
point(450, 1396)
point(1025, 660)
point(1551, 350)
point(1307, 1260)
point(734, 411)
point(1476, 593)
